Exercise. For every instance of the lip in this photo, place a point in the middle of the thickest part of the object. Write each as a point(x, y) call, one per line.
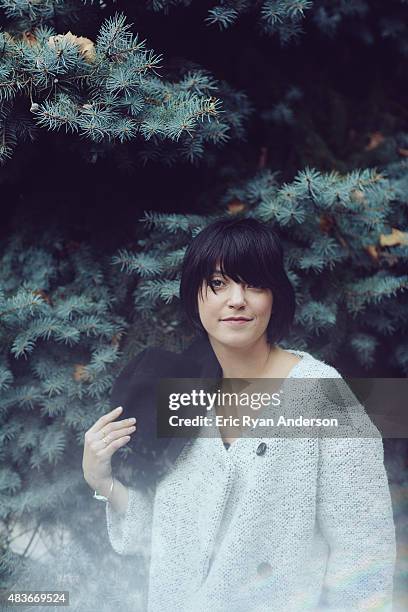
point(236, 322)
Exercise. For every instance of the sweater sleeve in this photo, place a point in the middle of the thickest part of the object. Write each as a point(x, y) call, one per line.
point(354, 512)
point(130, 533)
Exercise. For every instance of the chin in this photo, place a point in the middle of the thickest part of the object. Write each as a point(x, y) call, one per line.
point(236, 340)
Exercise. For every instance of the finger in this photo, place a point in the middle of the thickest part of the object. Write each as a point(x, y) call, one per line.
point(121, 428)
point(118, 425)
point(107, 452)
point(105, 419)
point(108, 436)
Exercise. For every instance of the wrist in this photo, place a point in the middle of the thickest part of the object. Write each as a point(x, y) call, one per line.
point(105, 487)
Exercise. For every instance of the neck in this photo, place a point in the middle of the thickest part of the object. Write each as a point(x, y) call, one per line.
point(244, 362)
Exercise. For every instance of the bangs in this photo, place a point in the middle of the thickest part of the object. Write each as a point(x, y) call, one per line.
point(242, 256)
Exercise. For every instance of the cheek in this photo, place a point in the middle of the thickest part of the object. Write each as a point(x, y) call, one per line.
point(201, 310)
point(265, 306)
point(205, 305)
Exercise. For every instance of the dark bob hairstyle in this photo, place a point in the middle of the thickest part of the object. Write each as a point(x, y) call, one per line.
point(247, 251)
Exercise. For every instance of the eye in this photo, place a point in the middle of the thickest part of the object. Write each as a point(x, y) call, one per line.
point(256, 287)
point(216, 283)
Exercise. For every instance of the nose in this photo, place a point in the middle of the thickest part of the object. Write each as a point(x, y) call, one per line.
point(236, 296)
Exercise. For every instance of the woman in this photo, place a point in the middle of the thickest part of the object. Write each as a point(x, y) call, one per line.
point(252, 524)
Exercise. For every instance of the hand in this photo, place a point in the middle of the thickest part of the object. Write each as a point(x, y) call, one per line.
point(102, 440)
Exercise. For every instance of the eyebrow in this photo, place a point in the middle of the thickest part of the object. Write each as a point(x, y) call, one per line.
point(217, 271)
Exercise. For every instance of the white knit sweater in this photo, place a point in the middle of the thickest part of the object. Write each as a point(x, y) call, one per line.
point(307, 525)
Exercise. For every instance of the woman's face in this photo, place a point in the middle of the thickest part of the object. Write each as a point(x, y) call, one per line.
point(251, 307)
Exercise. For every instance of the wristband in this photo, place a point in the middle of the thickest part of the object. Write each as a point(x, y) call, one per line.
point(102, 497)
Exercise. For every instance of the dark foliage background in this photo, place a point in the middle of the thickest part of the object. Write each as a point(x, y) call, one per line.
point(333, 98)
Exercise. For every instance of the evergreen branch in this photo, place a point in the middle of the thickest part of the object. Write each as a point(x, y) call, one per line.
point(54, 385)
point(22, 304)
point(100, 386)
point(316, 316)
point(198, 82)
point(115, 40)
point(143, 264)
point(67, 334)
point(154, 290)
point(53, 443)
point(6, 378)
point(93, 326)
point(67, 308)
point(365, 346)
point(110, 92)
point(58, 114)
point(27, 396)
point(172, 222)
point(174, 259)
point(222, 16)
point(372, 290)
point(31, 540)
point(102, 357)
